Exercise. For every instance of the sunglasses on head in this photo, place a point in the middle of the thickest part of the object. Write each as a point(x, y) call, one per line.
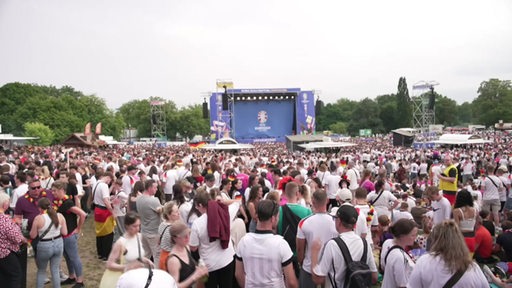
point(35, 187)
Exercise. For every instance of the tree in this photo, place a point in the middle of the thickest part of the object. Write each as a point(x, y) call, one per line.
point(388, 111)
point(44, 133)
point(338, 127)
point(464, 114)
point(190, 122)
point(445, 110)
point(493, 102)
point(404, 105)
point(364, 118)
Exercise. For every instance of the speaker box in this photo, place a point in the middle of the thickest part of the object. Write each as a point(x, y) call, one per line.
point(225, 102)
point(205, 110)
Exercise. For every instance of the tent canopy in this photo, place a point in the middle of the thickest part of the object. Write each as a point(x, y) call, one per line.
point(227, 144)
point(460, 139)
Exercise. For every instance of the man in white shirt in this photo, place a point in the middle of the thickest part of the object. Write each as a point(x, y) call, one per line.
point(331, 264)
point(441, 207)
point(21, 188)
point(129, 179)
point(168, 181)
point(256, 264)
point(317, 226)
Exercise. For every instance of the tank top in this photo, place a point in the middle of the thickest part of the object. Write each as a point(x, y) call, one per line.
point(467, 225)
point(54, 232)
point(186, 269)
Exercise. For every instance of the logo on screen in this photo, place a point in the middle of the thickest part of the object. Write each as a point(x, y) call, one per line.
point(262, 117)
point(262, 120)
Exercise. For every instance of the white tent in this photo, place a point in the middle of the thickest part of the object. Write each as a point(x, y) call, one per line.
point(460, 139)
point(326, 143)
point(227, 144)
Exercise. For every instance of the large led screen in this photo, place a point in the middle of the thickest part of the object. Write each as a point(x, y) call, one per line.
point(263, 120)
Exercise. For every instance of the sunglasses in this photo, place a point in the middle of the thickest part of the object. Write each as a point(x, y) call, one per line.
point(35, 187)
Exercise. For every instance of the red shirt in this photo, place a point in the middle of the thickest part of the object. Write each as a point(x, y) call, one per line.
point(483, 241)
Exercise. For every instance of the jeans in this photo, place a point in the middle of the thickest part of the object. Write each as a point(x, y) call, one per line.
point(73, 261)
point(49, 251)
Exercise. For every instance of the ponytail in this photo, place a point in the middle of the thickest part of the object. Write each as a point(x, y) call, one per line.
point(45, 204)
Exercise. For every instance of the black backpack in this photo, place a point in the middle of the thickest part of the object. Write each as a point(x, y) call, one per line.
point(289, 227)
point(358, 274)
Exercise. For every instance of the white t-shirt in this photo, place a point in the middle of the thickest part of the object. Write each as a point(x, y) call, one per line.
point(170, 178)
point(430, 271)
point(399, 266)
point(365, 226)
point(101, 192)
point(353, 177)
point(489, 190)
point(442, 210)
point(332, 185)
point(397, 215)
point(317, 226)
point(212, 253)
point(263, 266)
point(382, 204)
point(17, 193)
point(332, 254)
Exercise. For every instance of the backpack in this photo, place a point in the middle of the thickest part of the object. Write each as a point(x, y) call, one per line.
point(358, 274)
point(381, 269)
point(289, 227)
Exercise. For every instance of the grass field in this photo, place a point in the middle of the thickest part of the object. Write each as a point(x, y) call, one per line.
point(92, 267)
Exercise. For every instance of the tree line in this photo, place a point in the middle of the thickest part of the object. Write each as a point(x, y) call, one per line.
point(53, 113)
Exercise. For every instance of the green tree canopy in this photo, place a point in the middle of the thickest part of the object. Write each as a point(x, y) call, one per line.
point(44, 133)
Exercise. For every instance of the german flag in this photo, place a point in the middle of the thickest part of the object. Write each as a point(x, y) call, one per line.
point(197, 145)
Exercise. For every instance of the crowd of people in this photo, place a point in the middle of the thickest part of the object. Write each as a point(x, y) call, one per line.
point(264, 217)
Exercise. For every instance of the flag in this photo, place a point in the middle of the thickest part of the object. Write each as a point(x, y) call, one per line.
point(98, 128)
point(87, 129)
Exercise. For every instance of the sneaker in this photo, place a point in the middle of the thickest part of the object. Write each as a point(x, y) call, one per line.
point(63, 276)
point(47, 280)
point(67, 281)
point(78, 285)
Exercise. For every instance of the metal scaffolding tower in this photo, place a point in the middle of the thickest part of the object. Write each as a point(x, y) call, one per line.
point(158, 123)
point(424, 113)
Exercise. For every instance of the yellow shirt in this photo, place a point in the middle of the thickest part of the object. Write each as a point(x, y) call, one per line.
point(449, 186)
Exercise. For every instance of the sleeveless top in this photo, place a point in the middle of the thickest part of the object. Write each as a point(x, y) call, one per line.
point(186, 269)
point(467, 225)
point(54, 232)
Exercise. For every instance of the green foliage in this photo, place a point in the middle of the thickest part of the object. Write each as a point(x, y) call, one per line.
point(190, 122)
point(403, 104)
point(365, 116)
point(338, 128)
point(63, 110)
point(445, 109)
point(493, 102)
point(43, 132)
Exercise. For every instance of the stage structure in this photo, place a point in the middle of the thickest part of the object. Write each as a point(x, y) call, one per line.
point(424, 113)
point(261, 115)
point(158, 123)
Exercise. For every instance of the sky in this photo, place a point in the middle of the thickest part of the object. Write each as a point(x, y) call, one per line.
point(123, 50)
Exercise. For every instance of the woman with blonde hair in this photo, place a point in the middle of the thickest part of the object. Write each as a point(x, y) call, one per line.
point(448, 261)
point(46, 178)
point(171, 215)
point(179, 262)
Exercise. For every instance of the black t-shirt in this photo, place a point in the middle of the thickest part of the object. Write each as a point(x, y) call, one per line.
point(505, 241)
point(71, 218)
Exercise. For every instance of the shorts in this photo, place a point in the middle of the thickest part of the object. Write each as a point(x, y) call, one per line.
point(493, 205)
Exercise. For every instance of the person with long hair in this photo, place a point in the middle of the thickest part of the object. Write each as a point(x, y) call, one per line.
point(255, 195)
point(196, 174)
point(397, 262)
point(464, 215)
point(170, 215)
point(180, 263)
point(75, 218)
point(127, 252)
point(448, 255)
point(137, 190)
point(49, 226)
